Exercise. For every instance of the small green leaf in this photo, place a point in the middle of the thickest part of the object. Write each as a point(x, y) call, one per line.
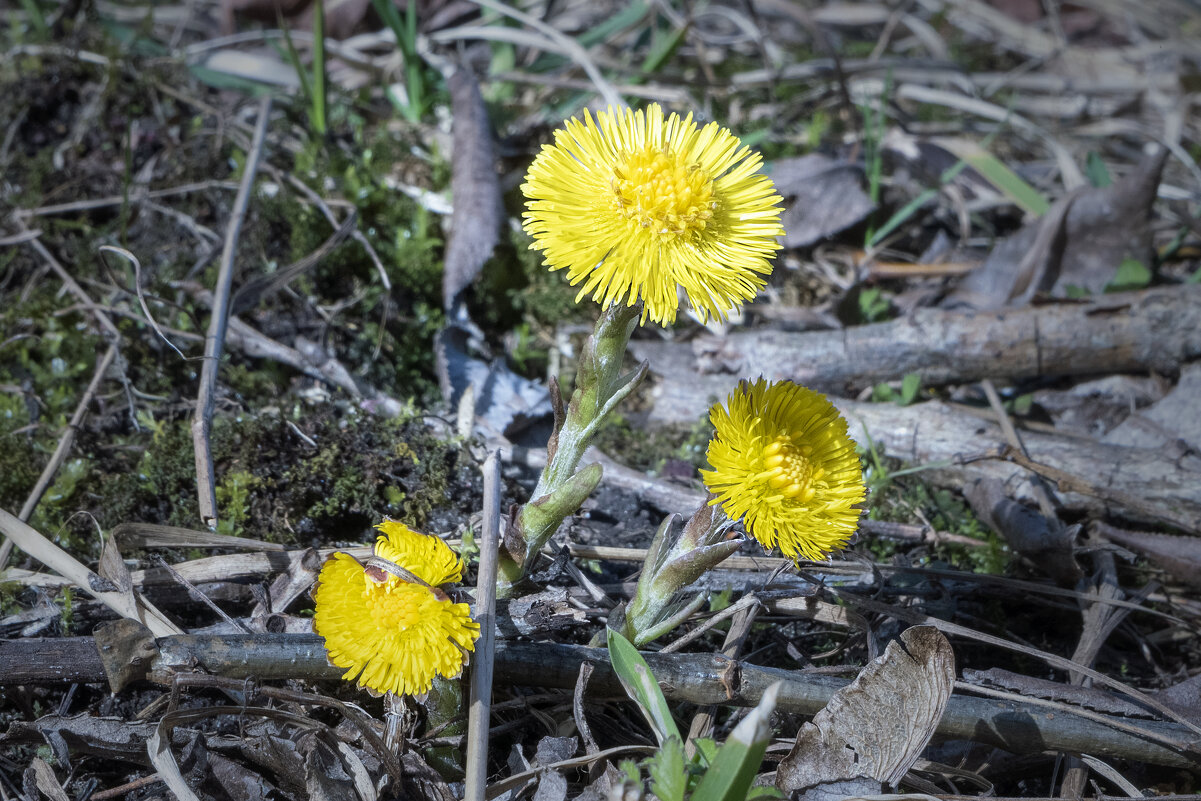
point(669, 779)
point(1096, 171)
point(640, 685)
point(630, 768)
point(911, 384)
point(706, 750)
point(223, 80)
point(873, 306)
point(1131, 274)
point(882, 393)
point(720, 600)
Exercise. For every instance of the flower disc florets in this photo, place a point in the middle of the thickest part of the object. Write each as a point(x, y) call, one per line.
point(387, 620)
point(784, 465)
point(634, 206)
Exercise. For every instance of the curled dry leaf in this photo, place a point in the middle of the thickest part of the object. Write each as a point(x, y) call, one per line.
point(1183, 698)
point(1079, 242)
point(503, 401)
point(475, 223)
point(875, 728)
point(1088, 697)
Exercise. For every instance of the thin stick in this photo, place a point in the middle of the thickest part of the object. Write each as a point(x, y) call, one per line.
point(1015, 725)
point(196, 595)
point(76, 206)
point(60, 452)
point(744, 603)
point(128, 605)
point(202, 421)
point(72, 285)
point(479, 713)
point(120, 790)
point(573, 49)
point(1011, 436)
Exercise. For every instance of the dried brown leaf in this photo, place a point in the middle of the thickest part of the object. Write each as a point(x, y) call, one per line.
point(822, 198)
point(105, 737)
point(1079, 242)
point(475, 223)
point(238, 782)
point(46, 781)
point(1183, 698)
point(1172, 421)
point(876, 727)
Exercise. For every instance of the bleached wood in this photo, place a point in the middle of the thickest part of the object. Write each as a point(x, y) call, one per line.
point(1157, 329)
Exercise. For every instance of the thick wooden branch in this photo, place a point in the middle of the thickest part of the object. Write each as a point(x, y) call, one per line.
point(695, 678)
point(1158, 329)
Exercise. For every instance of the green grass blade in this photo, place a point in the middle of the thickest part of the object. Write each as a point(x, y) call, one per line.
point(733, 769)
point(902, 214)
point(306, 86)
point(661, 50)
point(627, 17)
point(1008, 182)
point(318, 104)
point(37, 19)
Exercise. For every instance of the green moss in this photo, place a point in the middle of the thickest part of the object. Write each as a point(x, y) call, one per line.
point(904, 499)
point(19, 467)
point(367, 468)
point(67, 615)
point(389, 334)
point(273, 485)
point(47, 358)
point(233, 499)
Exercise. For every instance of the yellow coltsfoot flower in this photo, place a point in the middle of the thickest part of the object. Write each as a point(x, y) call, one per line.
point(783, 463)
point(387, 621)
point(634, 205)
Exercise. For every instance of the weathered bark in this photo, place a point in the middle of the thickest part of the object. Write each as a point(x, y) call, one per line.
point(695, 678)
point(1153, 330)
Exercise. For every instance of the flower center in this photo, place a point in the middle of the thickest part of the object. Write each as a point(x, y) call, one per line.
point(789, 469)
point(396, 604)
point(662, 192)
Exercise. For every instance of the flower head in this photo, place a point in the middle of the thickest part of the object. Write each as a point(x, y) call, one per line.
point(782, 461)
point(386, 621)
point(634, 205)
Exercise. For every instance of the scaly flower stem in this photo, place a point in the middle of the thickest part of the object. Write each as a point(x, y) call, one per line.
point(561, 489)
point(671, 565)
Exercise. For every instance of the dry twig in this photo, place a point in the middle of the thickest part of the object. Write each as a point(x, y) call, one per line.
point(214, 339)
